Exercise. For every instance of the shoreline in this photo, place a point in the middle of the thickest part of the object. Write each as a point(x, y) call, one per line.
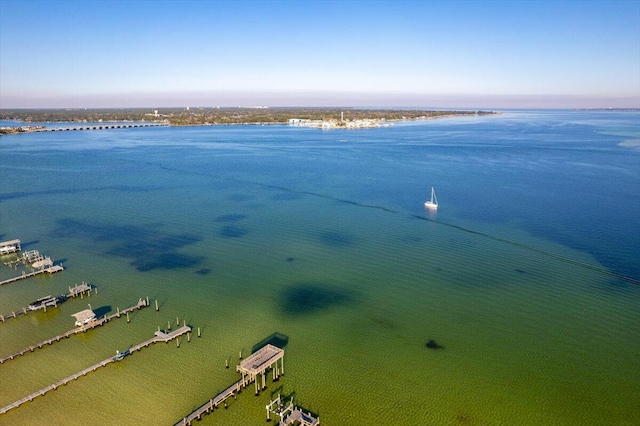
point(317, 121)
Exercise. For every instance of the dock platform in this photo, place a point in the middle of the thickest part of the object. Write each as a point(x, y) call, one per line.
point(258, 363)
point(141, 304)
point(290, 414)
point(303, 419)
point(51, 270)
point(255, 365)
point(165, 337)
point(8, 247)
point(78, 290)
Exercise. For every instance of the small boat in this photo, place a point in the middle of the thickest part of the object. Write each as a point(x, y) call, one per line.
point(120, 355)
point(43, 302)
point(433, 203)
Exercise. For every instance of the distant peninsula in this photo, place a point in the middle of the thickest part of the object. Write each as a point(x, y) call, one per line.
point(310, 117)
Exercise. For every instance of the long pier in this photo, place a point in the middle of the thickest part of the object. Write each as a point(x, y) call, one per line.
point(93, 324)
point(98, 127)
point(76, 291)
point(212, 404)
point(50, 269)
point(159, 337)
point(251, 368)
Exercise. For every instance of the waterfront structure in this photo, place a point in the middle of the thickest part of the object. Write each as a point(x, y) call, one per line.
point(84, 317)
point(258, 363)
point(10, 246)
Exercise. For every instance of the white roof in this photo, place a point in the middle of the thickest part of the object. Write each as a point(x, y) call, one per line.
point(82, 316)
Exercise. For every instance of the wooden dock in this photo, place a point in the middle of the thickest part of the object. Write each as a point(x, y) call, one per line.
point(303, 419)
point(159, 337)
point(8, 247)
point(251, 368)
point(212, 404)
point(50, 269)
point(78, 290)
point(141, 304)
point(290, 414)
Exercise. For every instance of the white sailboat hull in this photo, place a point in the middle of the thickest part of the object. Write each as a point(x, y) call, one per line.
point(431, 206)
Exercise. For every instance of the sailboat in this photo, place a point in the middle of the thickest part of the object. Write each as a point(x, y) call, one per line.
point(433, 203)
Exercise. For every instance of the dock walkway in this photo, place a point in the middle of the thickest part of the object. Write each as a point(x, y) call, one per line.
point(79, 290)
point(159, 337)
point(251, 368)
point(141, 304)
point(212, 404)
point(50, 269)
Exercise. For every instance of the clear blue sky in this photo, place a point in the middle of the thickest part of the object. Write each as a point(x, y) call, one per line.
point(346, 53)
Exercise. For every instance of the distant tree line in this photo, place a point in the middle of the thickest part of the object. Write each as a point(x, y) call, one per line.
point(211, 116)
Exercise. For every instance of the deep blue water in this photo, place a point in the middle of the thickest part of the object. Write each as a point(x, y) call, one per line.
point(559, 175)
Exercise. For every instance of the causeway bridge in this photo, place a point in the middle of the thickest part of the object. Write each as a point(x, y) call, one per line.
point(100, 127)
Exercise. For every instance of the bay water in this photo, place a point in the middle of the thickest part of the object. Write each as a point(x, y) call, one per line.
point(527, 276)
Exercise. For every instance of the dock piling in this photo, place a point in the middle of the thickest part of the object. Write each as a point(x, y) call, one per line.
point(198, 330)
point(156, 304)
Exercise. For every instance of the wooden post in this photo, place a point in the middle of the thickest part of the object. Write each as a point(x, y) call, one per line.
point(127, 316)
point(198, 331)
point(177, 322)
point(184, 323)
point(156, 304)
point(168, 325)
point(188, 337)
point(118, 313)
point(240, 355)
point(96, 289)
point(178, 342)
point(147, 301)
point(226, 363)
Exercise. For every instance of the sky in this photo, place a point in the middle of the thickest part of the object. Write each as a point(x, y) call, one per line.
point(147, 53)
